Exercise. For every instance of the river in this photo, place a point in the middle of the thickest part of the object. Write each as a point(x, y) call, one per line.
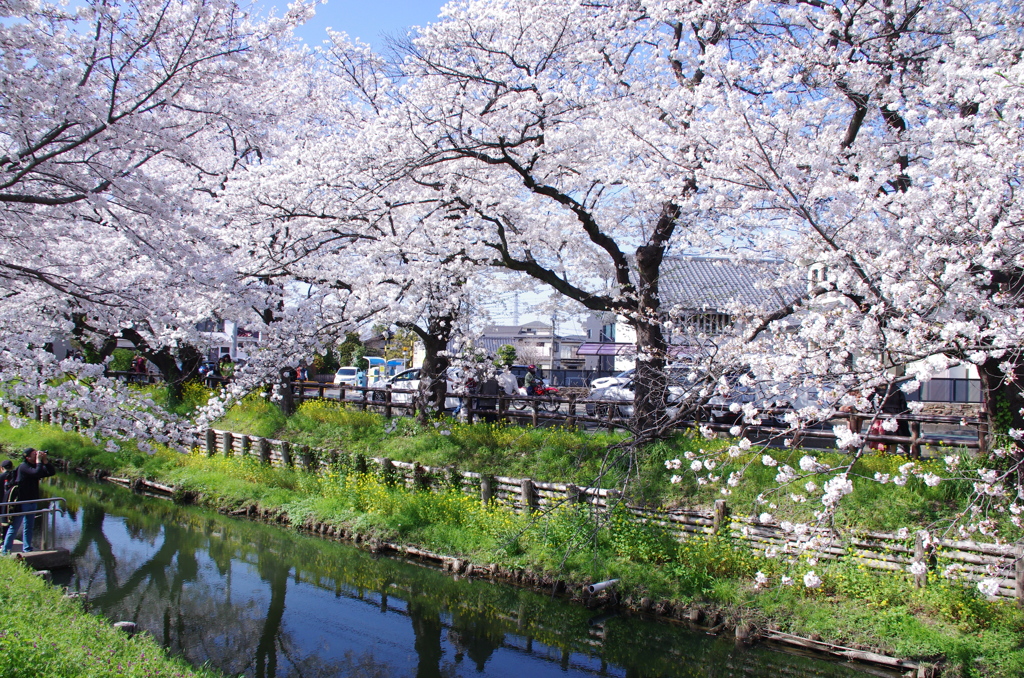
point(266, 602)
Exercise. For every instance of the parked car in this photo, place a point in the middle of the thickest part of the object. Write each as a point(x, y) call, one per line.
point(618, 380)
point(349, 376)
point(728, 408)
point(625, 394)
point(405, 384)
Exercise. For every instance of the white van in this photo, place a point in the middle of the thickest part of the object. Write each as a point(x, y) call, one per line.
point(349, 376)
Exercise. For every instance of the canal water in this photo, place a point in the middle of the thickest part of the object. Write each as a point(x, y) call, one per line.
point(256, 600)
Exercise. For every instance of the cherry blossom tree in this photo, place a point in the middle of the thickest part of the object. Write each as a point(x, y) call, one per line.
point(121, 123)
point(878, 146)
point(555, 130)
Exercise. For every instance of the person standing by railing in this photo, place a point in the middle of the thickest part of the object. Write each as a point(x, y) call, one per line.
point(34, 468)
point(6, 479)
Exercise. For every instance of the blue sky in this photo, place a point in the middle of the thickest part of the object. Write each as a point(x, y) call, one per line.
point(369, 21)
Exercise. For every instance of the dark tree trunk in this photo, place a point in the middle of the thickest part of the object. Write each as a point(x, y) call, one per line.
point(650, 382)
point(165, 361)
point(433, 382)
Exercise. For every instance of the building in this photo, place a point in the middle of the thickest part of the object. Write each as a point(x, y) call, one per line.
point(701, 293)
point(536, 343)
point(223, 337)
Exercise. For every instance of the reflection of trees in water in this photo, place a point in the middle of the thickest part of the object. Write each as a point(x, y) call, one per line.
point(168, 592)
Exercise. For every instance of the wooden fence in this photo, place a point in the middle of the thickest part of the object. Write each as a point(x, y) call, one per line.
point(574, 411)
point(972, 561)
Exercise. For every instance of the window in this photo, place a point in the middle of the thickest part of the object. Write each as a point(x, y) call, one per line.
point(211, 326)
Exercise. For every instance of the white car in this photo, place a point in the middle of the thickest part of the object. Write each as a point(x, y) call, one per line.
point(625, 394)
point(619, 379)
point(349, 376)
point(405, 384)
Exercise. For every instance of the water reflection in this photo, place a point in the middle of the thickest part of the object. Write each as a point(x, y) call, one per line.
point(265, 602)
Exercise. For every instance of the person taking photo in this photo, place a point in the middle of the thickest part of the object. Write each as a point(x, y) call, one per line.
point(35, 467)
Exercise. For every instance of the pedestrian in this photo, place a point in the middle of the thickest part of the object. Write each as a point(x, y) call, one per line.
point(34, 468)
point(490, 387)
point(6, 479)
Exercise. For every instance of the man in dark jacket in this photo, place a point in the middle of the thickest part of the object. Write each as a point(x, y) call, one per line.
point(34, 468)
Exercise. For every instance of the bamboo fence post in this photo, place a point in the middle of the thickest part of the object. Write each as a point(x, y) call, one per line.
point(915, 438)
point(1018, 566)
point(264, 446)
point(420, 480)
point(467, 407)
point(486, 489)
point(308, 459)
point(286, 453)
point(388, 470)
point(387, 402)
point(719, 519)
point(228, 444)
point(529, 496)
point(246, 446)
point(920, 580)
point(211, 442)
point(535, 411)
point(570, 421)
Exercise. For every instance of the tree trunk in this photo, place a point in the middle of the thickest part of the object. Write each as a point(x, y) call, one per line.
point(165, 361)
point(650, 382)
point(433, 382)
point(1003, 400)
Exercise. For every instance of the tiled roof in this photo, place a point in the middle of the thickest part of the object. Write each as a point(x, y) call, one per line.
point(712, 285)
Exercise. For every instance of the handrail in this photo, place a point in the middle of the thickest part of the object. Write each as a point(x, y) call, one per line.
point(48, 500)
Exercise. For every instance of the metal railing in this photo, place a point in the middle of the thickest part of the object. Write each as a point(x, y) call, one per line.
point(50, 511)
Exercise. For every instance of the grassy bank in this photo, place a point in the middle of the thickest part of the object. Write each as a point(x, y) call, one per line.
point(43, 635)
point(853, 606)
point(592, 459)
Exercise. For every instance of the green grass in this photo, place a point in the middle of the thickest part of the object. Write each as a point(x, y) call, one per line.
point(43, 635)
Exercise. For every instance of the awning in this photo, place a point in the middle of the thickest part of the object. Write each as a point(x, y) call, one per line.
point(609, 348)
point(605, 348)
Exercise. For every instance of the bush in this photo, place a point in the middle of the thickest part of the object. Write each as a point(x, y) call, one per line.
point(121, 360)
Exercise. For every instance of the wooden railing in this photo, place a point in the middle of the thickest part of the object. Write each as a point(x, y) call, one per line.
point(578, 411)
